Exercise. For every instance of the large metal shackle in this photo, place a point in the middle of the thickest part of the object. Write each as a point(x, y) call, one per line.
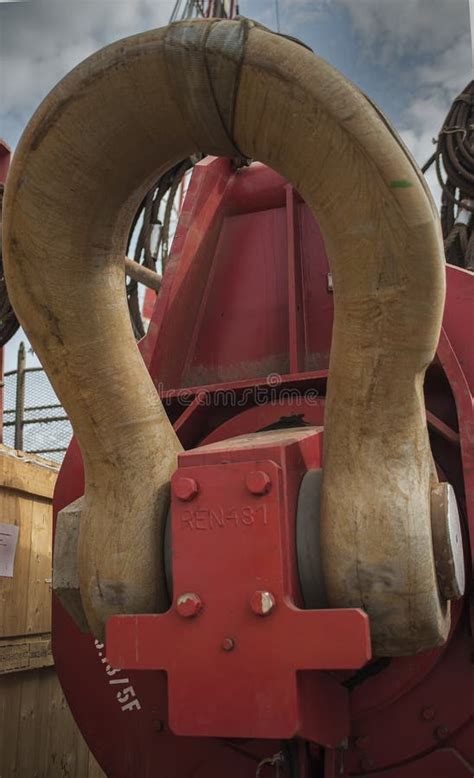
point(85, 161)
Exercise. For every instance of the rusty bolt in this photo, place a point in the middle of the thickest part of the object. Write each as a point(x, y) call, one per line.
point(442, 732)
point(366, 764)
point(185, 488)
point(189, 605)
point(428, 713)
point(258, 482)
point(228, 644)
point(262, 603)
point(362, 742)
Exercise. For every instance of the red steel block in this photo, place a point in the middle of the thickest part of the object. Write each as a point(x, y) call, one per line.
point(231, 674)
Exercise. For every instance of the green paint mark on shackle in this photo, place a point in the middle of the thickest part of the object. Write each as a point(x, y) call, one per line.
point(400, 183)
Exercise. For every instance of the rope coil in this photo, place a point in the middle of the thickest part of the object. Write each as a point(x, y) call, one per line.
point(455, 154)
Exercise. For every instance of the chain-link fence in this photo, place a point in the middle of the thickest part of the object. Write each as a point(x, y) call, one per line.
point(33, 418)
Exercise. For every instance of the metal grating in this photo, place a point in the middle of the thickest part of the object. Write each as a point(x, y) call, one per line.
point(33, 418)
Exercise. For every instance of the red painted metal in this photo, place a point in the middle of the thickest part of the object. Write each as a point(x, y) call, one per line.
point(185, 488)
point(444, 763)
point(239, 231)
point(223, 371)
point(188, 605)
point(237, 537)
point(5, 154)
point(456, 356)
point(296, 345)
point(258, 482)
point(262, 603)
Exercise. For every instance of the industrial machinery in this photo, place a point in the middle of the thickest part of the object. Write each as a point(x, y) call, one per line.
point(263, 552)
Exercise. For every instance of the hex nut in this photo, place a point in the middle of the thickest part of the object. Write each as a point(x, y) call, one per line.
point(185, 488)
point(189, 605)
point(262, 603)
point(258, 482)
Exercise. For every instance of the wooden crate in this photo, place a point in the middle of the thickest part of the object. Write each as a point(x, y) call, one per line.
point(38, 736)
point(26, 492)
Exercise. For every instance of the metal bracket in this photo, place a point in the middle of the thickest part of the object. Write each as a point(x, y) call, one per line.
point(236, 640)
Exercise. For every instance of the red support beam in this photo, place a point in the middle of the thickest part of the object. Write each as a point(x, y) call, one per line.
point(296, 344)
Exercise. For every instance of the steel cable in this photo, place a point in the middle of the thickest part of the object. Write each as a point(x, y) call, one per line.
point(454, 155)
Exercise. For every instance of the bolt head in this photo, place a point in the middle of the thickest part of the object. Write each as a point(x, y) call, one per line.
point(185, 488)
point(258, 482)
point(189, 605)
point(228, 644)
point(362, 742)
point(428, 713)
point(442, 732)
point(262, 603)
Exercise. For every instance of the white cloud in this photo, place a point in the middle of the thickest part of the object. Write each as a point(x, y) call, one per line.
point(43, 40)
point(428, 43)
point(425, 43)
point(292, 14)
point(450, 69)
point(438, 83)
point(298, 13)
point(398, 28)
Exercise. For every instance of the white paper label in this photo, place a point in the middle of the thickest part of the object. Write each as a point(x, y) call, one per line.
point(8, 541)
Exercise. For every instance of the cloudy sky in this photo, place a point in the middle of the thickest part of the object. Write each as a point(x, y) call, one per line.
point(410, 56)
